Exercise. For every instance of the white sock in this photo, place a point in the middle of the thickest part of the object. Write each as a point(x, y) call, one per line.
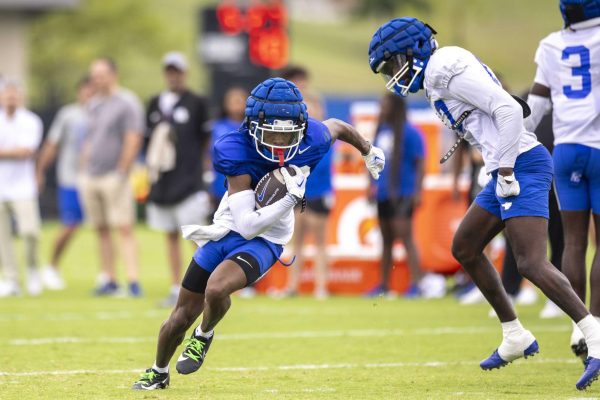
point(513, 327)
point(159, 369)
point(591, 331)
point(206, 335)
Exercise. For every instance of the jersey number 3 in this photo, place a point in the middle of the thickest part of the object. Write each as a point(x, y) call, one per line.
point(583, 70)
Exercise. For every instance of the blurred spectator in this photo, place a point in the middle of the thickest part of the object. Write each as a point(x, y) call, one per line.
point(20, 137)
point(64, 144)
point(230, 119)
point(178, 132)
point(116, 124)
point(297, 74)
point(319, 201)
point(398, 190)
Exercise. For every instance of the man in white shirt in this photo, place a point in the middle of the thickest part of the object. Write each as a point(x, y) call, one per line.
point(20, 136)
point(469, 99)
point(567, 82)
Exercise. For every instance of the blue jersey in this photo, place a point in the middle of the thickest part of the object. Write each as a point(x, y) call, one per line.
point(220, 128)
point(413, 150)
point(319, 181)
point(235, 152)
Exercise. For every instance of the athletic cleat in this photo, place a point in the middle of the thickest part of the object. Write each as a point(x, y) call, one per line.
point(193, 356)
point(152, 380)
point(590, 374)
point(580, 350)
point(495, 361)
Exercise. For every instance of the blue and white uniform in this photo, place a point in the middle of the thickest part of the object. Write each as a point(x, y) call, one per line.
point(235, 154)
point(456, 82)
point(567, 63)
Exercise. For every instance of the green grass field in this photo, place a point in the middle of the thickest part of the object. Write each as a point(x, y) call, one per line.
point(70, 345)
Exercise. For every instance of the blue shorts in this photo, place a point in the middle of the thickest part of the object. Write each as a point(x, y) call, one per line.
point(533, 170)
point(69, 206)
point(209, 256)
point(577, 169)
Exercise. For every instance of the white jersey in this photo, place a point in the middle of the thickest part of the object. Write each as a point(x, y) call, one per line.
point(457, 82)
point(279, 233)
point(569, 64)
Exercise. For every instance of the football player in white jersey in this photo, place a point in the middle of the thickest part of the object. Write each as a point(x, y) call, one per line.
point(469, 99)
point(567, 82)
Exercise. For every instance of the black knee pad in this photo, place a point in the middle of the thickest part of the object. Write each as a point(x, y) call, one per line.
point(195, 278)
point(249, 264)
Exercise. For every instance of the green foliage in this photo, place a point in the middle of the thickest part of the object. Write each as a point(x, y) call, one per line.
point(64, 43)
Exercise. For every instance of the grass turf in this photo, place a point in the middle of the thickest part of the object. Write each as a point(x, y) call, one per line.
point(70, 345)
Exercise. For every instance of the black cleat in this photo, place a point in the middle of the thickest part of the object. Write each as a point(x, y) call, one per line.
point(151, 380)
point(580, 350)
point(193, 356)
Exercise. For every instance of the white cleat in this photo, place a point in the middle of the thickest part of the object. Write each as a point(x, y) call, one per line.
point(9, 289)
point(473, 296)
point(527, 296)
point(551, 310)
point(51, 278)
point(578, 345)
point(34, 283)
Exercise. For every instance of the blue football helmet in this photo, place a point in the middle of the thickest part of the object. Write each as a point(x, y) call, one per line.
point(574, 11)
point(399, 51)
point(276, 119)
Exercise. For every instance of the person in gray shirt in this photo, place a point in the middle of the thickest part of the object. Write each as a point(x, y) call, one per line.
point(63, 143)
point(116, 126)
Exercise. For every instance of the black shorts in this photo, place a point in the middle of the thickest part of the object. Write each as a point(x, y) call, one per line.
point(319, 205)
point(399, 208)
point(196, 277)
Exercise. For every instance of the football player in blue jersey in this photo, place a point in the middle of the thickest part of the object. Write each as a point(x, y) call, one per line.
point(243, 243)
point(567, 82)
point(469, 99)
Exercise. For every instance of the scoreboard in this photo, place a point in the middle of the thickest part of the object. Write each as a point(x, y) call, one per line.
point(242, 45)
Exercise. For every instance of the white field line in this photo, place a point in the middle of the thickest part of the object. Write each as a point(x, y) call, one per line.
point(468, 330)
point(304, 367)
point(99, 315)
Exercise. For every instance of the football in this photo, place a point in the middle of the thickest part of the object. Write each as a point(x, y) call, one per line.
point(271, 187)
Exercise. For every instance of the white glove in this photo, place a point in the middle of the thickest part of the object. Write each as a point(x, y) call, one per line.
point(507, 186)
point(375, 161)
point(296, 185)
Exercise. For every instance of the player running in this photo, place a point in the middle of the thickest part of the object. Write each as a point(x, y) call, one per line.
point(568, 82)
point(243, 244)
point(469, 99)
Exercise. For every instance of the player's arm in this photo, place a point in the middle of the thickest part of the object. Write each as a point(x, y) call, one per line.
point(47, 156)
point(373, 156)
point(478, 89)
point(251, 222)
point(539, 98)
point(540, 104)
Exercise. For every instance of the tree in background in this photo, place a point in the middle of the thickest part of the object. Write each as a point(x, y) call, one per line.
point(63, 44)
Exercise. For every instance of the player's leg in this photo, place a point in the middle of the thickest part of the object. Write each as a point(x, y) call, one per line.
point(576, 226)
point(188, 308)
point(385, 213)
point(528, 238)
point(529, 241)
point(573, 192)
point(403, 230)
point(476, 230)
point(227, 278)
